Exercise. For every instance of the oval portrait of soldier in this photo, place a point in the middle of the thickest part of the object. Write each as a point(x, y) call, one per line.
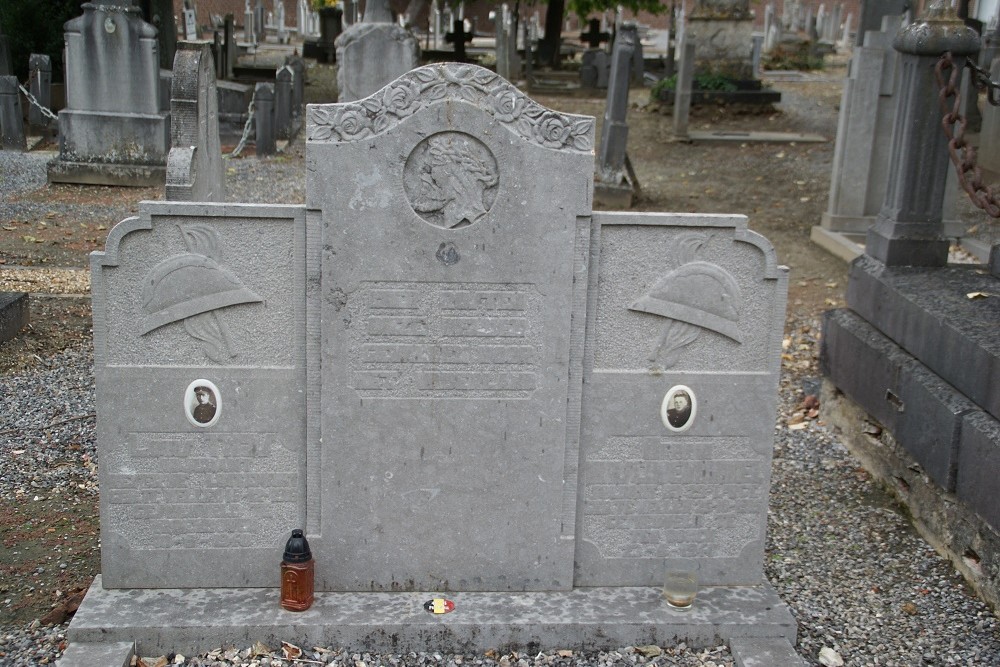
point(451, 179)
point(202, 404)
point(678, 408)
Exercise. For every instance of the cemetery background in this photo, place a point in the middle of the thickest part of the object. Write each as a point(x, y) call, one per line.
point(830, 526)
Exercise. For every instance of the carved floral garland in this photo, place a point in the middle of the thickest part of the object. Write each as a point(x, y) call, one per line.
point(421, 87)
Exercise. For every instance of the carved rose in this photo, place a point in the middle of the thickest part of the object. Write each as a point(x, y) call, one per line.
point(552, 130)
point(507, 104)
point(353, 124)
point(401, 98)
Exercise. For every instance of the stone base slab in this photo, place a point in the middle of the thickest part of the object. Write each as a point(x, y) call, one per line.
point(767, 652)
point(14, 314)
point(613, 197)
point(191, 621)
point(101, 173)
point(110, 654)
point(845, 245)
point(928, 313)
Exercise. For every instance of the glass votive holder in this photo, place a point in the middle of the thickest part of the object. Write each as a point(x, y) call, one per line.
point(680, 587)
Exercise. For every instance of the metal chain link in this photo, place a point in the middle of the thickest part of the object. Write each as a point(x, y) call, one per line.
point(31, 98)
point(963, 156)
point(981, 80)
point(251, 109)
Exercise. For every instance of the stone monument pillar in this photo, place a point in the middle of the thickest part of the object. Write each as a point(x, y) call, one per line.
point(908, 230)
point(113, 130)
point(723, 29)
point(373, 53)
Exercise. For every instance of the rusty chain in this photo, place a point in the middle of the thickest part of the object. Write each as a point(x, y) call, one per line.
point(962, 154)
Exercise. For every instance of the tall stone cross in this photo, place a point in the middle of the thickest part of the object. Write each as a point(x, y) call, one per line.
point(594, 36)
point(458, 37)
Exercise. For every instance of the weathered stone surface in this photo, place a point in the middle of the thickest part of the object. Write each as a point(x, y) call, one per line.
point(371, 55)
point(455, 285)
point(922, 411)
point(676, 299)
point(978, 466)
point(195, 171)
point(864, 131)
point(190, 295)
point(191, 621)
point(14, 314)
point(929, 314)
point(113, 123)
point(765, 652)
point(94, 654)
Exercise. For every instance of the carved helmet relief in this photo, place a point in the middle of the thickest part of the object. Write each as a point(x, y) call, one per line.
point(451, 179)
point(191, 287)
point(695, 295)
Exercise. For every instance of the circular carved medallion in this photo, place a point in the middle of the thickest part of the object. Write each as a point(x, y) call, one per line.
point(451, 179)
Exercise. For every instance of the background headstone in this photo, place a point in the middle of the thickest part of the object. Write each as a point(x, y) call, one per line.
point(40, 85)
point(6, 66)
point(11, 118)
point(612, 186)
point(115, 128)
point(195, 171)
point(372, 54)
point(266, 131)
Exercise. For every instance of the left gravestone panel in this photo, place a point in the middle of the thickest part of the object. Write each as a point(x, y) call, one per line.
point(113, 130)
point(199, 314)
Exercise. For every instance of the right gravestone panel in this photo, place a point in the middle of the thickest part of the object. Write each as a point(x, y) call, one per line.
point(684, 331)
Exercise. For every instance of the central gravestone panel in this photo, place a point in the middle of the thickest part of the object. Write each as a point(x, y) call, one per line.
point(452, 314)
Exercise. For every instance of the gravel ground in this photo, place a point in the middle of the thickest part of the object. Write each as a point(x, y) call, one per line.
point(862, 585)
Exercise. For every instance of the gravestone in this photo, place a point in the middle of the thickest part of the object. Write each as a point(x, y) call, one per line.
point(159, 14)
point(613, 187)
point(40, 85)
point(593, 37)
point(724, 29)
point(595, 69)
point(114, 129)
point(458, 38)
point(195, 171)
point(455, 376)
point(190, 25)
point(372, 54)
point(284, 116)
point(266, 131)
point(683, 90)
point(11, 118)
point(6, 66)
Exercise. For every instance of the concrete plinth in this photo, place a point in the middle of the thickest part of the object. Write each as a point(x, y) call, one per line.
point(99, 173)
point(928, 312)
point(191, 621)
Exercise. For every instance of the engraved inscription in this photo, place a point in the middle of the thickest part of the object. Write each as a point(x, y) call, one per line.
point(653, 497)
point(444, 340)
point(201, 490)
point(451, 181)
